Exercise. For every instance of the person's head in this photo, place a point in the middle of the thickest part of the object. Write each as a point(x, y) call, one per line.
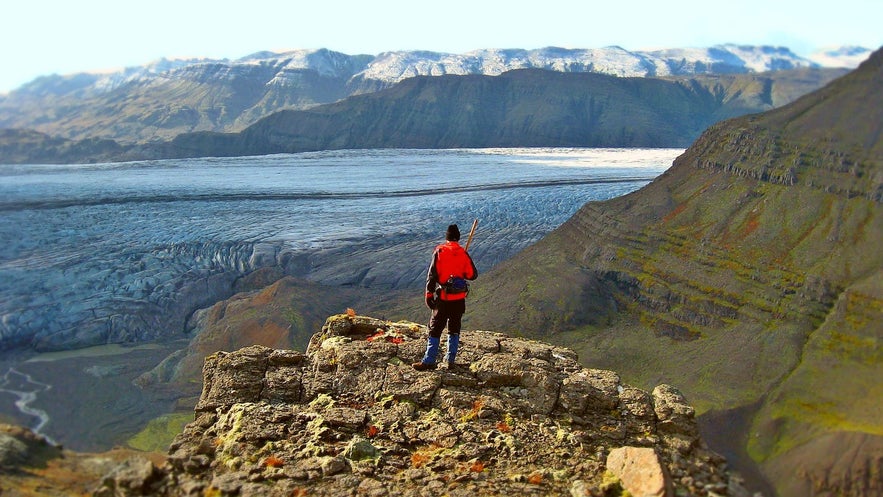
point(453, 233)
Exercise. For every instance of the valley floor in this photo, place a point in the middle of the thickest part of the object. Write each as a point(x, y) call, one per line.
point(92, 403)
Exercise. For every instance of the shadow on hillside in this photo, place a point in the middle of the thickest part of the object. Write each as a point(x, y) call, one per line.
point(726, 433)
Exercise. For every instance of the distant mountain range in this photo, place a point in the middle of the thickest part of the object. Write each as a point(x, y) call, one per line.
point(161, 100)
point(388, 68)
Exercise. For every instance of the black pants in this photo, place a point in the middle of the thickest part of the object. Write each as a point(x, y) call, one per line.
point(450, 313)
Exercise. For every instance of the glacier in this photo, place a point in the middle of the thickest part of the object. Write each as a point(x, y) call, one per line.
point(124, 253)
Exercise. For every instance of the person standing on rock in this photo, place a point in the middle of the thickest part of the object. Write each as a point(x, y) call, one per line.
point(446, 291)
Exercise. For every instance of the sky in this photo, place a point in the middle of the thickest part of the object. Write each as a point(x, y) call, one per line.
point(43, 37)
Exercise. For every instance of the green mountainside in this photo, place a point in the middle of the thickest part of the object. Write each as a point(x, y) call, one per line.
point(750, 275)
point(520, 108)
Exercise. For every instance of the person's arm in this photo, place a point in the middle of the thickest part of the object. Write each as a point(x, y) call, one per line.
point(432, 278)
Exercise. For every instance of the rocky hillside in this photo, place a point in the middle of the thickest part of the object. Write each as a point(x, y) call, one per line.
point(525, 108)
point(515, 417)
point(749, 274)
point(530, 107)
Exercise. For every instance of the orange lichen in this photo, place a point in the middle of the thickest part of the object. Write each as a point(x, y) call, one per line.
point(379, 334)
point(273, 462)
point(474, 412)
point(418, 460)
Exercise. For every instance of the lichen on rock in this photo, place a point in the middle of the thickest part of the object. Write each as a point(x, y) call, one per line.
point(351, 417)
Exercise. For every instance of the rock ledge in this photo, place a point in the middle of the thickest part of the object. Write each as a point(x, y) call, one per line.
point(351, 417)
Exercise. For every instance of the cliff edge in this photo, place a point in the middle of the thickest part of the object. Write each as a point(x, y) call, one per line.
point(351, 417)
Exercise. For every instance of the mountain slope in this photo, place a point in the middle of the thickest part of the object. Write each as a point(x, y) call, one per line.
point(158, 103)
point(22, 146)
point(518, 108)
point(530, 107)
point(748, 274)
point(169, 97)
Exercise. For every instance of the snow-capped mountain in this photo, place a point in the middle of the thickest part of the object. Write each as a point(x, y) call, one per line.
point(616, 61)
point(111, 80)
point(376, 71)
point(848, 56)
point(160, 100)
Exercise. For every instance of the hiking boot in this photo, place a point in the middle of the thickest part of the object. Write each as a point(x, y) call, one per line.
point(423, 366)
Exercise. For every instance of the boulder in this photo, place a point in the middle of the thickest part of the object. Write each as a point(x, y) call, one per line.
point(640, 471)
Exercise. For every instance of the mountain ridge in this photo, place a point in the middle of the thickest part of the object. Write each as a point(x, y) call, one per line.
point(393, 66)
point(168, 97)
point(526, 107)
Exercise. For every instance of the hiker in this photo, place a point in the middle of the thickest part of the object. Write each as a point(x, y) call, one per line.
point(446, 291)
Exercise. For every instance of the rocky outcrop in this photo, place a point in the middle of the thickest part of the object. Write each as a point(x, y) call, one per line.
point(32, 465)
point(350, 416)
point(20, 447)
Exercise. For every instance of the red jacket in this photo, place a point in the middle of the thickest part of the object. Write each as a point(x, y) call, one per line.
point(449, 259)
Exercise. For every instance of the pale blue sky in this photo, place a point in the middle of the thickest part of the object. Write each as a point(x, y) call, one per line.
point(41, 37)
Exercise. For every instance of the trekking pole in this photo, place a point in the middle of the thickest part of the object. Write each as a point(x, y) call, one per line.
point(471, 233)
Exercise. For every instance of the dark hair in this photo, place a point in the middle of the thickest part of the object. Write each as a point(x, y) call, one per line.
point(452, 233)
